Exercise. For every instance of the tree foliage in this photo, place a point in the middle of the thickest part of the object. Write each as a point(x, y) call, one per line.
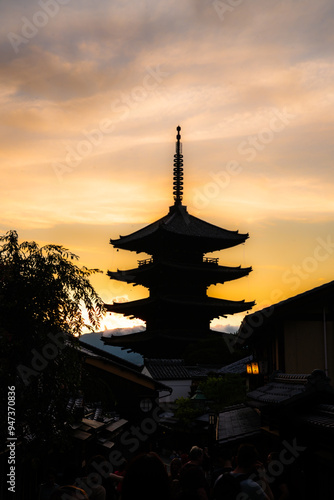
point(219, 392)
point(224, 391)
point(186, 411)
point(42, 297)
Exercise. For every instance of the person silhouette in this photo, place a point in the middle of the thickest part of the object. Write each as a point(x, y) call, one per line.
point(145, 478)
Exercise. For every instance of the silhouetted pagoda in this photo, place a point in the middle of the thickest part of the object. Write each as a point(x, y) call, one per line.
point(178, 310)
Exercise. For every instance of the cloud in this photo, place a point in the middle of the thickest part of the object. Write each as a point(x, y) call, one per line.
point(146, 67)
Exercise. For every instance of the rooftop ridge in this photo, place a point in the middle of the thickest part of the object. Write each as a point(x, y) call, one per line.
point(292, 378)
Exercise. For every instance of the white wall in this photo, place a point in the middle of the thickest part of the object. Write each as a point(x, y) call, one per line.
point(181, 388)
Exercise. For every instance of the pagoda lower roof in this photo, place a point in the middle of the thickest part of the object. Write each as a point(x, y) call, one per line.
point(179, 227)
point(205, 272)
point(154, 343)
point(209, 306)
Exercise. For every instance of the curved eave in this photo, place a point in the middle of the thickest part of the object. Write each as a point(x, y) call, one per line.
point(151, 243)
point(209, 273)
point(146, 231)
point(180, 226)
point(129, 276)
point(211, 306)
point(219, 306)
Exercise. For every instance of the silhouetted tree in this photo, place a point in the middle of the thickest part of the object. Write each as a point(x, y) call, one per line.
point(42, 296)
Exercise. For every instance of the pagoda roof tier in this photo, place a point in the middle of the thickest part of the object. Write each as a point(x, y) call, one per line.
point(169, 342)
point(207, 272)
point(179, 229)
point(207, 306)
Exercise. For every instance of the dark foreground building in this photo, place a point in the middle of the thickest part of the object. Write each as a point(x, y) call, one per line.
point(177, 274)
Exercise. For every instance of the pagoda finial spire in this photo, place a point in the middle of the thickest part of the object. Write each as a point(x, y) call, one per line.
point(178, 171)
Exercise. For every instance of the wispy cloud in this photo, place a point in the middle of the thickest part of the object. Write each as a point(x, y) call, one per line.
point(144, 68)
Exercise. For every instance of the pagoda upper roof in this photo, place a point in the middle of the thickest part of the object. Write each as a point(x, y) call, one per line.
point(208, 306)
point(206, 271)
point(178, 226)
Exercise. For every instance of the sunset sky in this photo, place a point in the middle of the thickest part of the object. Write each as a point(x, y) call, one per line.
point(92, 92)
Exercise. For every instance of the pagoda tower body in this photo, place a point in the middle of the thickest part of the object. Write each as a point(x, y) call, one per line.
point(177, 275)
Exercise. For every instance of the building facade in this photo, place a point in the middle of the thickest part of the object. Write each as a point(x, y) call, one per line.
point(295, 335)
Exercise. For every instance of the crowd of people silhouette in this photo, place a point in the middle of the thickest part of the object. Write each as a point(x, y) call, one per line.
point(182, 476)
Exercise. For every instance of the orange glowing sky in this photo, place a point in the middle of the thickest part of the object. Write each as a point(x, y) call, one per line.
point(92, 92)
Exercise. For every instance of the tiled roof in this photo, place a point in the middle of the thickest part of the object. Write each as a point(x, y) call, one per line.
point(121, 367)
point(286, 388)
point(179, 222)
point(167, 369)
point(200, 371)
point(238, 423)
point(238, 367)
point(175, 369)
point(182, 222)
point(322, 416)
point(94, 342)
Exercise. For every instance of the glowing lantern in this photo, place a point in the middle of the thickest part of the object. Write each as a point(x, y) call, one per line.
point(255, 368)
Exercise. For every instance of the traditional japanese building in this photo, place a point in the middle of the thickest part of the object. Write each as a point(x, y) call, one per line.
point(177, 274)
point(295, 335)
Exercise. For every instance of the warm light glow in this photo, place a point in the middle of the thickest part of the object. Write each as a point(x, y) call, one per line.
point(113, 320)
point(90, 102)
point(255, 368)
point(252, 368)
